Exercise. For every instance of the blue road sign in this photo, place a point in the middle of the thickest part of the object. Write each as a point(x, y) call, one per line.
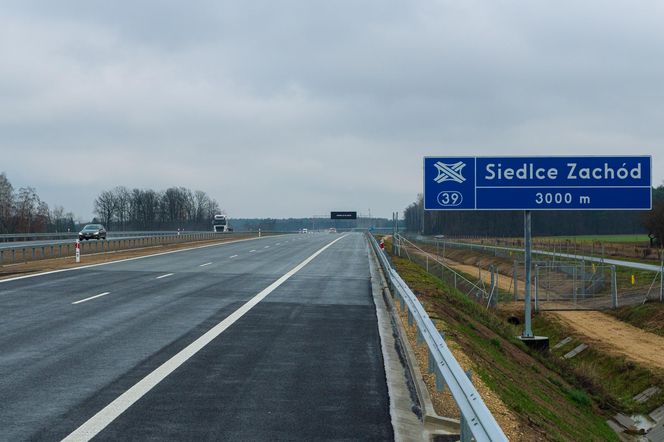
point(538, 183)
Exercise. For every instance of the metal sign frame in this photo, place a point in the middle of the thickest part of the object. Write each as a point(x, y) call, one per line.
point(450, 196)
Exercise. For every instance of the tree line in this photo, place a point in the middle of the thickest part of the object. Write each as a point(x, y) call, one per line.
point(509, 223)
point(145, 209)
point(22, 211)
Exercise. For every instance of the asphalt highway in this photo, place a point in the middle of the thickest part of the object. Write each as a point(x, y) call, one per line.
point(267, 339)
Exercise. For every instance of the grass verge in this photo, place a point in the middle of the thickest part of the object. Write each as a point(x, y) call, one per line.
point(648, 317)
point(547, 401)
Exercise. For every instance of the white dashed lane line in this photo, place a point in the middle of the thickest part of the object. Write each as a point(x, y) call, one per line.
point(164, 276)
point(266, 247)
point(234, 256)
point(206, 264)
point(91, 297)
point(252, 251)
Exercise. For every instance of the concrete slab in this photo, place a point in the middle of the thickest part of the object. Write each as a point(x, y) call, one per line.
point(562, 343)
point(578, 349)
point(657, 433)
point(646, 394)
point(625, 421)
point(657, 414)
point(615, 427)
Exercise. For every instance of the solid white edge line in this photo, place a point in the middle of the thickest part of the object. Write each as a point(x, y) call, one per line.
point(109, 413)
point(16, 278)
point(91, 297)
point(206, 264)
point(164, 276)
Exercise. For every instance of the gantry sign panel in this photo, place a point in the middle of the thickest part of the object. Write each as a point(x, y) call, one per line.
point(538, 183)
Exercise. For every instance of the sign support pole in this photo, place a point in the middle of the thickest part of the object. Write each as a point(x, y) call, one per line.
point(528, 331)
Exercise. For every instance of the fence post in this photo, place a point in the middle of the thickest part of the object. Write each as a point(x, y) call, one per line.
point(516, 280)
point(574, 282)
point(583, 278)
point(614, 287)
point(661, 277)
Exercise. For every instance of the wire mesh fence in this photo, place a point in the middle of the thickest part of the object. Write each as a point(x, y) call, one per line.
point(492, 275)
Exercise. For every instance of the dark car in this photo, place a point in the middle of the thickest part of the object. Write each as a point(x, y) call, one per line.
point(90, 231)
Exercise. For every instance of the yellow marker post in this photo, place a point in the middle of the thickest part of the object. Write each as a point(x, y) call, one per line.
point(633, 280)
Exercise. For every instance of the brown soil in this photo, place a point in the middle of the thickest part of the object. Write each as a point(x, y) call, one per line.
point(18, 269)
point(615, 337)
point(599, 329)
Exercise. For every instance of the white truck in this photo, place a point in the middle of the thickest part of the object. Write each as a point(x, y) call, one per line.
point(220, 224)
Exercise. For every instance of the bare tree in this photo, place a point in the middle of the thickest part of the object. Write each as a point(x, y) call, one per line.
point(25, 208)
point(6, 203)
point(104, 206)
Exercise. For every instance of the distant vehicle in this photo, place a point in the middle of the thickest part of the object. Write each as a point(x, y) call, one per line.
point(332, 230)
point(305, 231)
point(220, 224)
point(96, 231)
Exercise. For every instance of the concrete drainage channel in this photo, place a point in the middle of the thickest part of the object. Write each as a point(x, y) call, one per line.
point(22, 254)
point(476, 421)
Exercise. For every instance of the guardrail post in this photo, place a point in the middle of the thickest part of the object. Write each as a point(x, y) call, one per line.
point(427, 257)
point(466, 435)
point(455, 280)
point(2, 256)
point(410, 317)
point(13, 256)
point(614, 287)
point(432, 364)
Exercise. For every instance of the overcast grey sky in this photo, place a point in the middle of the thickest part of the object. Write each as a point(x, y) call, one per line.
point(296, 108)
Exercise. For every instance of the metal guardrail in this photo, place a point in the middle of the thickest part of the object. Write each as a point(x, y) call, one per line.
point(14, 237)
point(476, 417)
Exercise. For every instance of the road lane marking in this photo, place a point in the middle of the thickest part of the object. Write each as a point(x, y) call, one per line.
point(51, 272)
point(252, 251)
point(234, 256)
point(109, 413)
point(277, 244)
point(266, 247)
point(206, 264)
point(164, 276)
point(91, 297)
